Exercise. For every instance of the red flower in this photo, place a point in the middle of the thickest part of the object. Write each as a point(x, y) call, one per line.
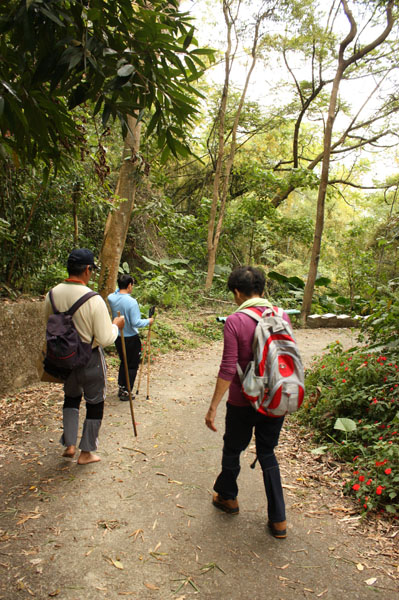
point(379, 489)
point(380, 463)
point(361, 477)
point(364, 505)
point(356, 472)
point(369, 482)
point(355, 457)
point(344, 381)
point(388, 471)
point(356, 487)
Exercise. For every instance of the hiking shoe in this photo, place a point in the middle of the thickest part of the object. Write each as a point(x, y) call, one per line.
point(278, 530)
point(123, 394)
point(229, 506)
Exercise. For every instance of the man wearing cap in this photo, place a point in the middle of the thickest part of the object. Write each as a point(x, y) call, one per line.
point(94, 326)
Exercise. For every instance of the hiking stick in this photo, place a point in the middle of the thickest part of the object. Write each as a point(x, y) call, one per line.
point(127, 378)
point(148, 362)
point(150, 314)
point(142, 365)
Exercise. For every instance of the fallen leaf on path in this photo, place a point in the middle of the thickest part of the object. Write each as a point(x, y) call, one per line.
point(136, 533)
point(371, 581)
point(360, 567)
point(322, 593)
point(27, 517)
point(55, 593)
point(116, 563)
point(151, 586)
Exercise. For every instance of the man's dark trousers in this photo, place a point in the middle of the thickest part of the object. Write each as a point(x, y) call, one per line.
point(133, 353)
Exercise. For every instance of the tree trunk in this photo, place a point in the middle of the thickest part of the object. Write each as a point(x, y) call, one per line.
point(343, 64)
point(76, 192)
point(220, 195)
point(118, 220)
point(219, 159)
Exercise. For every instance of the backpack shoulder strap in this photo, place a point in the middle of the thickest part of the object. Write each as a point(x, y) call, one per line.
point(79, 302)
point(274, 311)
point(254, 313)
point(55, 309)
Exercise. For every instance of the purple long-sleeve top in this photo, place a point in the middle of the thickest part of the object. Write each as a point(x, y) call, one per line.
point(239, 331)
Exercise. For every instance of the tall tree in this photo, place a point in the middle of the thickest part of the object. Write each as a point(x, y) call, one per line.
point(343, 64)
point(224, 160)
point(308, 51)
point(170, 119)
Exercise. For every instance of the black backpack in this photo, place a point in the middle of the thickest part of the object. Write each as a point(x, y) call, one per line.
point(65, 350)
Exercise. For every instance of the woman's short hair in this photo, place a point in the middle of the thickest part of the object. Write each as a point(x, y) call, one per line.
point(124, 281)
point(247, 280)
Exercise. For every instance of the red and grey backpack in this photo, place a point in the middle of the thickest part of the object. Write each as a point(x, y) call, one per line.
point(274, 380)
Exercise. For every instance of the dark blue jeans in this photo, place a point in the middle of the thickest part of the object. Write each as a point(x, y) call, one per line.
point(133, 353)
point(240, 422)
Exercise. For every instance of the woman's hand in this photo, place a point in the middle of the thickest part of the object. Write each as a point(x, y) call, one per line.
point(210, 418)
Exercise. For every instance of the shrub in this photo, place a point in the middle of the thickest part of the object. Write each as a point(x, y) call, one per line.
point(352, 404)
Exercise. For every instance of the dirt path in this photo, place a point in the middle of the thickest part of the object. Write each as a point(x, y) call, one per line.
point(140, 524)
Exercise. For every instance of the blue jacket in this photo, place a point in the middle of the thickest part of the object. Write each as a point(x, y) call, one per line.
point(129, 309)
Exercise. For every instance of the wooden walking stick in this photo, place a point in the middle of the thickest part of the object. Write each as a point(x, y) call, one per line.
point(127, 378)
point(142, 364)
point(150, 314)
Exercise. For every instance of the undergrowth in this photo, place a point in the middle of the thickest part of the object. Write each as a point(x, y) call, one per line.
point(352, 405)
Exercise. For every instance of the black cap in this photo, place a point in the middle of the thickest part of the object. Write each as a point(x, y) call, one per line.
point(81, 256)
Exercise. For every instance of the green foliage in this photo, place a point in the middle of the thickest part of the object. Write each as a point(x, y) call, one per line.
point(164, 338)
point(207, 328)
point(381, 324)
point(166, 284)
point(289, 292)
point(352, 403)
point(122, 57)
point(40, 226)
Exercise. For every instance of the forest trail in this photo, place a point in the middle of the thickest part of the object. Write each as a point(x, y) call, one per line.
point(140, 523)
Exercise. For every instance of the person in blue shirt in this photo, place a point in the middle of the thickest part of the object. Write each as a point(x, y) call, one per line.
point(122, 301)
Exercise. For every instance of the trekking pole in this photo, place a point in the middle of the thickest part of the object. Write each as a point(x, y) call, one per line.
point(142, 366)
point(127, 378)
point(150, 314)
